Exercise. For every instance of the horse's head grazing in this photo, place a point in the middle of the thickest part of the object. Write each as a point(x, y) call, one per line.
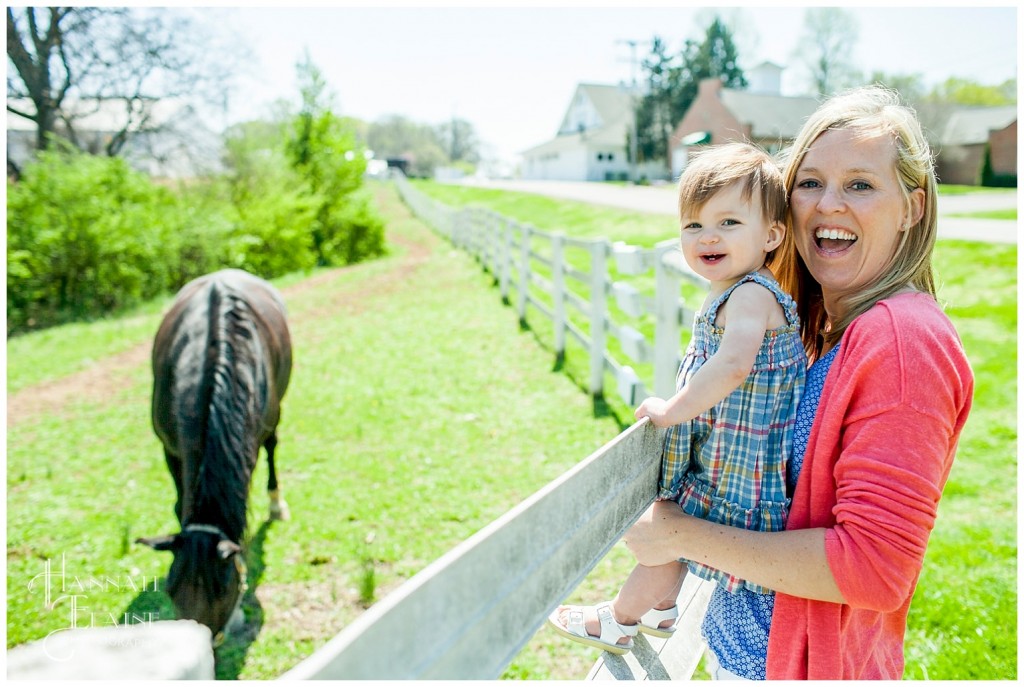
point(207, 578)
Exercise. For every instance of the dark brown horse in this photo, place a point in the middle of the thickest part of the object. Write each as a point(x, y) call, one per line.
point(221, 362)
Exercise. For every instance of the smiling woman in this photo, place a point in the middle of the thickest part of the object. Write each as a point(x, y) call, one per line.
point(891, 377)
point(849, 212)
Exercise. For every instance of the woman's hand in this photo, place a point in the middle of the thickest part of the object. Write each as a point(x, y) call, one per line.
point(651, 537)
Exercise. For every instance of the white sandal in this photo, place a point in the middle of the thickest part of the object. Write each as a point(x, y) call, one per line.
point(611, 631)
point(650, 622)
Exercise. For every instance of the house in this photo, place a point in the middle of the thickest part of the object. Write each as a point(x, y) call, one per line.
point(590, 144)
point(967, 132)
point(177, 142)
point(759, 114)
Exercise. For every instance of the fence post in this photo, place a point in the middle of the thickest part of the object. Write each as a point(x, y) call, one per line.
point(506, 258)
point(524, 271)
point(598, 306)
point(667, 324)
point(558, 289)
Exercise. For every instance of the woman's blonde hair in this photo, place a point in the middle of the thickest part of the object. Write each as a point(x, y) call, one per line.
point(871, 111)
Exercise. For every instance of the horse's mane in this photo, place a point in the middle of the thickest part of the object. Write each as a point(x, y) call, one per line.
point(234, 386)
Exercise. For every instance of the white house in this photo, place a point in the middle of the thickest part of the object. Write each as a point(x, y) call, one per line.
point(178, 144)
point(591, 141)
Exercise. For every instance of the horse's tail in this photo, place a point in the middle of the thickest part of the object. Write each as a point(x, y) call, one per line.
point(234, 384)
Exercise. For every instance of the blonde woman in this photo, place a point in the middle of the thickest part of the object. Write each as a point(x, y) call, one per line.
point(886, 397)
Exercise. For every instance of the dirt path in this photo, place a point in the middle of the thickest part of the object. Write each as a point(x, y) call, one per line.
point(106, 377)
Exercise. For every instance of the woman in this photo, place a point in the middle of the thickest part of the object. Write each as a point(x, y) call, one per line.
point(894, 387)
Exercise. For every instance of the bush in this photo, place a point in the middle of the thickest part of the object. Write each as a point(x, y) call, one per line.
point(990, 178)
point(272, 234)
point(85, 235)
point(360, 230)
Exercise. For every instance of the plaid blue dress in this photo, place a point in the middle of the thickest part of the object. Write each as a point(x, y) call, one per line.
point(728, 464)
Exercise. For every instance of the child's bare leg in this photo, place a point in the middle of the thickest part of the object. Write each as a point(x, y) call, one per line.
point(646, 588)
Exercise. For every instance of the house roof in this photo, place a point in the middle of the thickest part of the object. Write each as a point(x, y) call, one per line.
point(971, 125)
point(612, 103)
point(769, 116)
point(612, 106)
point(99, 115)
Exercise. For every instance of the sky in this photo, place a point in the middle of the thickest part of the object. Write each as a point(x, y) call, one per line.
point(511, 72)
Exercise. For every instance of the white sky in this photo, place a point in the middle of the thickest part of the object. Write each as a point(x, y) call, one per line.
point(511, 72)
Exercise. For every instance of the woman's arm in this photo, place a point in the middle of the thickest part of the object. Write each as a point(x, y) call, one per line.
point(792, 562)
point(749, 308)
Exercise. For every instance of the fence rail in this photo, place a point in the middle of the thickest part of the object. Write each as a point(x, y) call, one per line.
point(470, 612)
point(577, 294)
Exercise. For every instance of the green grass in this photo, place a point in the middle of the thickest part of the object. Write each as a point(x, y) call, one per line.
point(959, 190)
point(1010, 214)
point(963, 621)
point(418, 405)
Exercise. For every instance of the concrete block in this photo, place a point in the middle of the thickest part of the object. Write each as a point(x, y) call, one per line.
point(164, 650)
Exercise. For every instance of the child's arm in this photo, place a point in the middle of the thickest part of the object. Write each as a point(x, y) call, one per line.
point(748, 311)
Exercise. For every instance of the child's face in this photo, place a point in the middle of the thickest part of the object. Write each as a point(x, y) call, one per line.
point(728, 237)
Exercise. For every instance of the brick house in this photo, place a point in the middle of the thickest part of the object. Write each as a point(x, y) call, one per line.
point(758, 114)
point(960, 152)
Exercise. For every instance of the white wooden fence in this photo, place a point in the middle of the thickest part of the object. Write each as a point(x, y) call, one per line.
point(468, 614)
point(568, 290)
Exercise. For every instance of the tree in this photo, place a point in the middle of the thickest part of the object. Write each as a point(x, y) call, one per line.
point(654, 111)
point(40, 49)
point(398, 137)
point(458, 138)
point(911, 87)
point(68, 61)
point(829, 34)
point(327, 157)
point(673, 84)
point(968, 92)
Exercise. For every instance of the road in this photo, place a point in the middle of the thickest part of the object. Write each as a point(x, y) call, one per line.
point(661, 200)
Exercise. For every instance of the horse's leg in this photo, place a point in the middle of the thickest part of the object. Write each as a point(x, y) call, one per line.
point(278, 506)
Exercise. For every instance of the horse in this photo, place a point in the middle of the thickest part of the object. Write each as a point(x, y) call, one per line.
point(221, 359)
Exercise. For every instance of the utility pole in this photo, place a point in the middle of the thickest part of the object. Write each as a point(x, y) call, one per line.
point(633, 104)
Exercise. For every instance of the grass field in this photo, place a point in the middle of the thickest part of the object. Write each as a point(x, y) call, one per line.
point(418, 405)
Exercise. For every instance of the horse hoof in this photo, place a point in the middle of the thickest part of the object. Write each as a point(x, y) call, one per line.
point(279, 511)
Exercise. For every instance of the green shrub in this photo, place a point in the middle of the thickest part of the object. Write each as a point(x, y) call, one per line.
point(990, 178)
point(272, 236)
point(322, 150)
point(85, 235)
point(356, 231)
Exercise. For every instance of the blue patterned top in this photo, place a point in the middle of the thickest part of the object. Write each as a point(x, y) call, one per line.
point(736, 625)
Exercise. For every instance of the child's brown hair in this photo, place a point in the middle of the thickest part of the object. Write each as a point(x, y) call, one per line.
point(720, 166)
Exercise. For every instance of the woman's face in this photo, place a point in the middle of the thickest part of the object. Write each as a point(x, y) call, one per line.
point(848, 211)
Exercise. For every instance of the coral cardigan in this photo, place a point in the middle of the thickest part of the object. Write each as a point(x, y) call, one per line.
point(894, 403)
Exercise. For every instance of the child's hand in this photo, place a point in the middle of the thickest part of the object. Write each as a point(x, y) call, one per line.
point(656, 409)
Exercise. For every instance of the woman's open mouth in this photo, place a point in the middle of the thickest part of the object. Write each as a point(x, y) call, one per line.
point(833, 240)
